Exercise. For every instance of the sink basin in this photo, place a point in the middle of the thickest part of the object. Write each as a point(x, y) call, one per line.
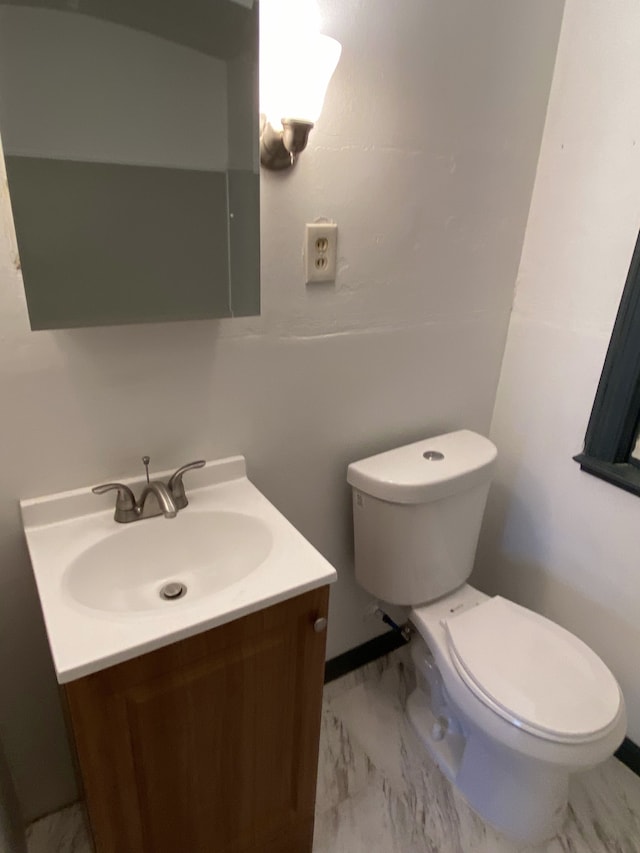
point(205, 551)
point(100, 583)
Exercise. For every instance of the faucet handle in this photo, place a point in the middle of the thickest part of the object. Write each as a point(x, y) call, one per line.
point(125, 502)
point(176, 486)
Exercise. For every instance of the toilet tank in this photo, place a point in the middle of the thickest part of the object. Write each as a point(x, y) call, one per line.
point(417, 512)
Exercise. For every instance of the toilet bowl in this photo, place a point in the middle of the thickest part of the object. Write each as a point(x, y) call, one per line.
point(507, 703)
point(508, 724)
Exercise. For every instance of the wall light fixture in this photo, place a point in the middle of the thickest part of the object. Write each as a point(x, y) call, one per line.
point(296, 65)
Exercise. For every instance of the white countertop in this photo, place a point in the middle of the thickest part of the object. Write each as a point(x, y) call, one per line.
point(59, 528)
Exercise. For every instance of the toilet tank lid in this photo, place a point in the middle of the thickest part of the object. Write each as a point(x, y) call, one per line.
point(426, 470)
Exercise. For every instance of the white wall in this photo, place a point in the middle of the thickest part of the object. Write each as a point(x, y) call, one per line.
point(80, 88)
point(425, 156)
point(557, 539)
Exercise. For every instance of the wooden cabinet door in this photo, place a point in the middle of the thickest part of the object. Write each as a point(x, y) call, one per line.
point(209, 745)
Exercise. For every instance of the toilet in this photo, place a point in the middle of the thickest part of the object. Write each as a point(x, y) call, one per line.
point(507, 703)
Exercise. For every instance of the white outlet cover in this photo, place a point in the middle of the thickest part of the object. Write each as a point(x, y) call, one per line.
point(320, 252)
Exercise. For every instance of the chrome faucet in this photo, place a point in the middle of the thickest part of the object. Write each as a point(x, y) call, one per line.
point(163, 496)
point(176, 486)
point(169, 497)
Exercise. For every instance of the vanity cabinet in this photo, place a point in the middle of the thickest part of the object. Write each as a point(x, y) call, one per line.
point(209, 745)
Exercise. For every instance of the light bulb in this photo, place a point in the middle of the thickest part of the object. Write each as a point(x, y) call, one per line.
point(296, 61)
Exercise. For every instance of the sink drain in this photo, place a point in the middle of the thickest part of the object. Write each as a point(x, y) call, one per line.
point(173, 590)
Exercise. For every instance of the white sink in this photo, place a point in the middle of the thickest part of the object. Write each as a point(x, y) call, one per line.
point(204, 551)
point(100, 582)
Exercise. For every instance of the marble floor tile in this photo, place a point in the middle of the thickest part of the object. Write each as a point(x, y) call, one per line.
point(378, 792)
point(425, 810)
point(372, 670)
point(344, 768)
point(62, 832)
point(371, 820)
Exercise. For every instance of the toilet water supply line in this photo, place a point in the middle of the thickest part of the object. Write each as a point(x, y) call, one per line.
point(405, 630)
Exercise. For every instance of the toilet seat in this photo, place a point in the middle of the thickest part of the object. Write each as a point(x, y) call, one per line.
point(532, 672)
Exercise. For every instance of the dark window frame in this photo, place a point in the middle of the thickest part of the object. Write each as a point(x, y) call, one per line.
point(613, 424)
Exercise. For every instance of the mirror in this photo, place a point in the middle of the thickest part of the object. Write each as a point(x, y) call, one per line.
point(130, 134)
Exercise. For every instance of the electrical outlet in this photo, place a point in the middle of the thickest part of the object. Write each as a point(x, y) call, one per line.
point(321, 250)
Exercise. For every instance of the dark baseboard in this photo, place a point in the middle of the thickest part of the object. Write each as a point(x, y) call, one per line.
point(355, 658)
point(629, 753)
